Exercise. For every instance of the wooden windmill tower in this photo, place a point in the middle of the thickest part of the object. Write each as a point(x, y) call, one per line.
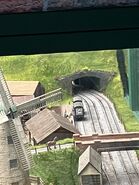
point(15, 156)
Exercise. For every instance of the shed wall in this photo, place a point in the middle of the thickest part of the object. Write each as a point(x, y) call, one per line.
point(20, 99)
point(39, 90)
point(61, 133)
point(20, 6)
point(8, 152)
point(89, 170)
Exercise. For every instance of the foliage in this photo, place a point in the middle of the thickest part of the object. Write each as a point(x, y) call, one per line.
point(37, 146)
point(63, 141)
point(57, 167)
point(115, 93)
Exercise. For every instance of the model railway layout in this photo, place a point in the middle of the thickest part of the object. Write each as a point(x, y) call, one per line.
point(119, 167)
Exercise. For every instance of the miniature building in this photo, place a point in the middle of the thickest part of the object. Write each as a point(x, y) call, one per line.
point(90, 168)
point(46, 125)
point(22, 91)
point(11, 171)
point(15, 156)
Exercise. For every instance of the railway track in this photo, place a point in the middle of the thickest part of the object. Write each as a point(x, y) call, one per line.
point(120, 167)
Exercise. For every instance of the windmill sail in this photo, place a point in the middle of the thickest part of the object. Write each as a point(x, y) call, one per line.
point(20, 142)
point(39, 102)
point(5, 95)
point(8, 111)
point(3, 117)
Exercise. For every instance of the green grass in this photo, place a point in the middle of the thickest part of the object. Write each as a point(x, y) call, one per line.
point(57, 167)
point(115, 93)
point(37, 146)
point(138, 153)
point(48, 68)
point(63, 141)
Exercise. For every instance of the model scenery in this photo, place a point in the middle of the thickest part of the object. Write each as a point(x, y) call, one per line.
point(82, 127)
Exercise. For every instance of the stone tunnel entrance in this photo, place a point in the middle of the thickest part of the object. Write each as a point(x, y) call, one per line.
point(85, 80)
point(85, 83)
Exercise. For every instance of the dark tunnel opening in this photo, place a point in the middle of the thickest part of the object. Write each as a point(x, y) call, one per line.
point(85, 83)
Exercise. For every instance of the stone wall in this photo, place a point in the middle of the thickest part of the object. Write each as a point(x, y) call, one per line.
point(10, 175)
point(100, 3)
point(105, 77)
point(13, 6)
point(68, 4)
point(7, 6)
point(60, 4)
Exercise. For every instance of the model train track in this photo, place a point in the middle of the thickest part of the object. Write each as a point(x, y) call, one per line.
point(115, 127)
point(120, 167)
point(108, 167)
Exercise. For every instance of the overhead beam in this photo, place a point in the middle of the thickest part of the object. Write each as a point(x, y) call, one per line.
point(108, 142)
point(110, 145)
point(72, 30)
point(68, 42)
point(69, 21)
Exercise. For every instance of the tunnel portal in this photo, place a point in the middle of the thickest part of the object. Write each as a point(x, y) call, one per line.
point(85, 83)
point(85, 80)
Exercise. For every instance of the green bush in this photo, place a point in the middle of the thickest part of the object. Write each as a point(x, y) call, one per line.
point(65, 141)
point(57, 167)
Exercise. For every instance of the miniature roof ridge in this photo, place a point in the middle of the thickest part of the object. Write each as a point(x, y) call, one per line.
point(17, 87)
point(49, 128)
point(69, 125)
point(86, 159)
point(46, 122)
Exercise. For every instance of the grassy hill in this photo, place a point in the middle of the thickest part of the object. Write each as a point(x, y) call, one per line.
point(46, 68)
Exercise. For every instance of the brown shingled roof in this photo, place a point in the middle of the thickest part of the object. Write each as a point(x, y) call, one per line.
point(46, 122)
point(22, 87)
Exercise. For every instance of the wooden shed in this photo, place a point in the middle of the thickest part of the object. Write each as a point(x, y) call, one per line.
point(46, 125)
point(22, 91)
point(90, 167)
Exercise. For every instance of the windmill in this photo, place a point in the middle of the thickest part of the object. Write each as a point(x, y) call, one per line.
point(15, 156)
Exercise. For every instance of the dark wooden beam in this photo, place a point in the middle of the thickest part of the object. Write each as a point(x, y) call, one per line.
point(72, 30)
point(108, 142)
point(67, 42)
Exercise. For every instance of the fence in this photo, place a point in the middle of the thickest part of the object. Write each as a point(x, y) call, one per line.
point(36, 180)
